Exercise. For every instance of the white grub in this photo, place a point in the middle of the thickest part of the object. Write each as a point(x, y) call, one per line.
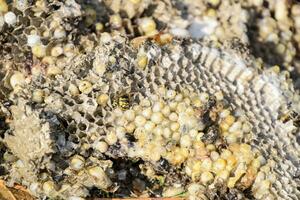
point(281, 10)
point(17, 80)
point(105, 38)
point(49, 187)
point(101, 146)
point(57, 51)
point(99, 66)
point(39, 50)
point(59, 33)
point(172, 191)
point(102, 99)
point(53, 71)
point(147, 26)
point(85, 87)
point(73, 89)
point(77, 162)
point(38, 96)
point(33, 40)
point(101, 179)
point(10, 18)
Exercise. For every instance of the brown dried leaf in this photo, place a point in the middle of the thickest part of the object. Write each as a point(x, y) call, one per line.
point(160, 38)
point(16, 193)
point(5, 193)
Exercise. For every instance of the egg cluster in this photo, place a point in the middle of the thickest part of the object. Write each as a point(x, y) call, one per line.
point(37, 41)
point(188, 129)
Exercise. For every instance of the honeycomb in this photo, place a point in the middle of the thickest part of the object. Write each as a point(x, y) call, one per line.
point(79, 144)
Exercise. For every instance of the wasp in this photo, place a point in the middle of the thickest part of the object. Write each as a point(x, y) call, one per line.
point(122, 100)
point(211, 135)
point(294, 116)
